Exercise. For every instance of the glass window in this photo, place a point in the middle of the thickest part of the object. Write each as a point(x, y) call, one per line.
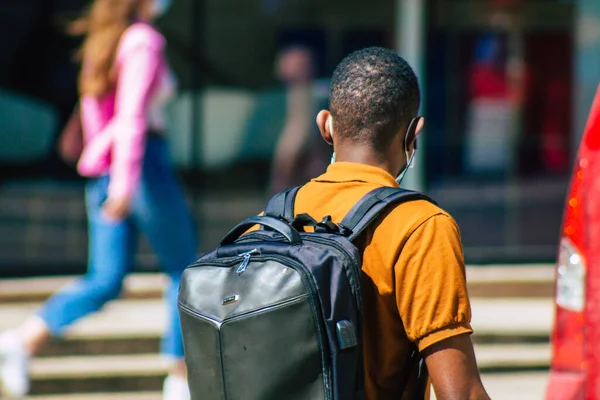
point(499, 90)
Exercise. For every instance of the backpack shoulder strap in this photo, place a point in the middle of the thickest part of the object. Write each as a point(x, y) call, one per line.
point(281, 205)
point(374, 204)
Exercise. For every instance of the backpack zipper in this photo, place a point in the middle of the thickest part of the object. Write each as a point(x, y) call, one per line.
point(247, 255)
point(314, 239)
point(305, 274)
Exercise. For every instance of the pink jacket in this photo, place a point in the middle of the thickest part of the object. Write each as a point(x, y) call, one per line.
point(115, 124)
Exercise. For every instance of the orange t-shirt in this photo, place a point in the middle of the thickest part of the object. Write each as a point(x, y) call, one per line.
point(414, 285)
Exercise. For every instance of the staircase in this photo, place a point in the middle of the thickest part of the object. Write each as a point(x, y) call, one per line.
point(113, 355)
point(110, 355)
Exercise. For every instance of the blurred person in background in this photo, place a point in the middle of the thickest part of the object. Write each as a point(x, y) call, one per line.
point(117, 138)
point(497, 85)
point(300, 153)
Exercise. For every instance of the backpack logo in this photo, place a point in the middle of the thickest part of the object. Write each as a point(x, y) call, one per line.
point(230, 299)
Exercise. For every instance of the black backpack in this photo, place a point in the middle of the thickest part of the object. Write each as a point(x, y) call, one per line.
point(275, 314)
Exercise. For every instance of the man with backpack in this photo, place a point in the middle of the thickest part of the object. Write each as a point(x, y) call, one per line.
point(369, 303)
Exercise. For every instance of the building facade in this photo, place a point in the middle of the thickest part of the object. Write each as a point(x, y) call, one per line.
point(506, 84)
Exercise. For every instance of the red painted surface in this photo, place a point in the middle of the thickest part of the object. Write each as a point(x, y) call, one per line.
point(575, 369)
point(591, 193)
point(566, 385)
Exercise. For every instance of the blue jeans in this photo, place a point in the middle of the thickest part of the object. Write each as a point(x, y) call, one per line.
point(159, 212)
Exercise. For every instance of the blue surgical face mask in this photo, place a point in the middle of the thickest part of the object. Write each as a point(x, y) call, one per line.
point(409, 164)
point(161, 7)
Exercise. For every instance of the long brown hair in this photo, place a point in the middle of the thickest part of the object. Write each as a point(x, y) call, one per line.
point(103, 25)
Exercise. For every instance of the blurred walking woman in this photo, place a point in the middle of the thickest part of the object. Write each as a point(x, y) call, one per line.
point(132, 189)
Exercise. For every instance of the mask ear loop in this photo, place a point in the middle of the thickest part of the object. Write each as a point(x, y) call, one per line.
point(410, 132)
point(330, 122)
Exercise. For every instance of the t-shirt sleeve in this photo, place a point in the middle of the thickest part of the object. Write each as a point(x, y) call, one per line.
point(140, 57)
point(431, 287)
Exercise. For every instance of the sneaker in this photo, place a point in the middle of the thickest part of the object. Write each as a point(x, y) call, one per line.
point(14, 362)
point(176, 388)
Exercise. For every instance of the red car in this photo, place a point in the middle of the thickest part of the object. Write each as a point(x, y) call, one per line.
point(575, 367)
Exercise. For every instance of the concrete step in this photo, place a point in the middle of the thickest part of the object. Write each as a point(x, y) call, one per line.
point(116, 349)
point(100, 396)
point(524, 356)
point(500, 386)
point(122, 327)
point(513, 385)
point(136, 286)
point(129, 319)
point(135, 325)
point(529, 280)
point(78, 374)
point(91, 374)
point(484, 281)
point(127, 344)
point(512, 317)
point(138, 319)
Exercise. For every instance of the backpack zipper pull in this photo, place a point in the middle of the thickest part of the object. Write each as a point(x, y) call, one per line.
point(246, 261)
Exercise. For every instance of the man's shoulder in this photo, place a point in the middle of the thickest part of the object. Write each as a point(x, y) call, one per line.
point(411, 215)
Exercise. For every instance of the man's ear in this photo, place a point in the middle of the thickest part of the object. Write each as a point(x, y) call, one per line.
point(420, 126)
point(324, 126)
point(412, 141)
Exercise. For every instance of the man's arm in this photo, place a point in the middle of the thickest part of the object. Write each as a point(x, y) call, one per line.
point(435, 309)
point(453, 369)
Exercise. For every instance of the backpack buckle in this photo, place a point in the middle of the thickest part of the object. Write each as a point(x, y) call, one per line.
point(326, 226)
point(279, 217)
point(344, 231)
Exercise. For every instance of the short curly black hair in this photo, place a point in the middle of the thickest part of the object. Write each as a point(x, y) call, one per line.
point(374, 94)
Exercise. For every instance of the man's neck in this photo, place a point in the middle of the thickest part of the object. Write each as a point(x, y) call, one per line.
point(363, 155)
